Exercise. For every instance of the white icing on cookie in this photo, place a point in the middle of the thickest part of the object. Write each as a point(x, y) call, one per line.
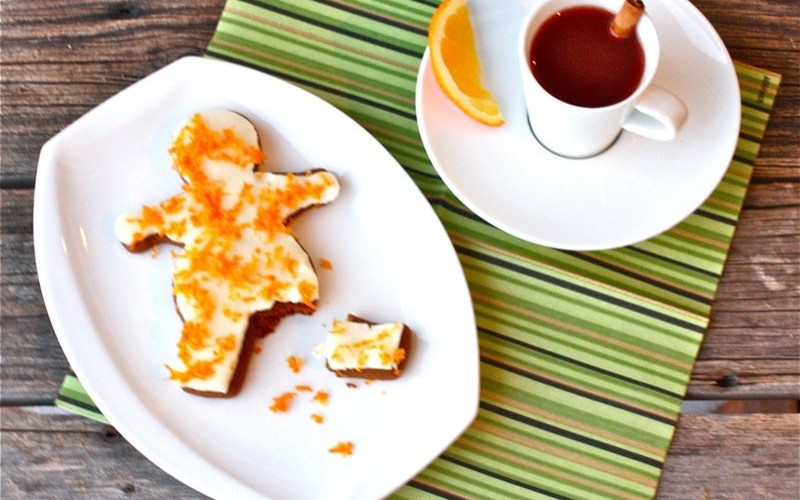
point(353, 345)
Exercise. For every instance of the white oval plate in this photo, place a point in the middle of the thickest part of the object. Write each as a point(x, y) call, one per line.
point(635, 190)
point(392, 261)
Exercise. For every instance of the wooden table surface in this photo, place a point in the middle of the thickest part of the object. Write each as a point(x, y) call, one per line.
point(61, 58)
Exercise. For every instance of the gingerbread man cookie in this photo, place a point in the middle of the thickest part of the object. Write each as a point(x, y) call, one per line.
point(239, 270)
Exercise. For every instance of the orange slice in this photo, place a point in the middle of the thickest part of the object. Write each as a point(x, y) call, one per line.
point(455, 62)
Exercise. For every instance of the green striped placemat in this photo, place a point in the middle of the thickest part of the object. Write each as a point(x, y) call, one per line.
point(585, 356)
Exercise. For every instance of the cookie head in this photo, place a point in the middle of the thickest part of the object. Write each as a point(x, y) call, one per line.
point(215, 146)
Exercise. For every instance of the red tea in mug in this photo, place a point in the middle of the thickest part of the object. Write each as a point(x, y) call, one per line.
point(576, 58)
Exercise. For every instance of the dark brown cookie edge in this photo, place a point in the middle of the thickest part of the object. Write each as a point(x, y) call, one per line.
point(261, 324)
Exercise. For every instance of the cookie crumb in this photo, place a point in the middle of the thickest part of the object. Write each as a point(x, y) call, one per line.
point(295, 363)
point(280, 404)
point(344, 448)
point(321, 397)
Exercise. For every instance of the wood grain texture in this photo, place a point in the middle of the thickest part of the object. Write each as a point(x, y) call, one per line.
point(48, 453)
point(737, 462)
point(61, 58)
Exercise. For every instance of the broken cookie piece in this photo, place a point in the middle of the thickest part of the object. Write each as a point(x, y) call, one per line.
point(358, 348)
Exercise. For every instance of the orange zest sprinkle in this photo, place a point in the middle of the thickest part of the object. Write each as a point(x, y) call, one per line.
point(198, 370)
point(307, 292)
point(362, 359)
point(227, 343)
point(280, 404)
point(295, 363)
point(151, 216)
point(197, 294)
point(175, 229)
point(232, 315)
point(272, 288)
point(303, 388)
point(326, 264)
point(287, 261)
point(344, 448)
point(173, 205)
point(337, 327)
point(321, 397)
point(194, 336)
point(316, 417)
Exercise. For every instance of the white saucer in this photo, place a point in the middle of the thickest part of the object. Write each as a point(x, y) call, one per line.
point(635, 190)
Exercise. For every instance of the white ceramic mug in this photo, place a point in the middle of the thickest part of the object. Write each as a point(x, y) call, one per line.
point(580, 132)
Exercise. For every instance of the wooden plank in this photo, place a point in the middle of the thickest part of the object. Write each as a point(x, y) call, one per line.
point(742, 457)
point(62, 58)
point(48, 453)
point(745, 379)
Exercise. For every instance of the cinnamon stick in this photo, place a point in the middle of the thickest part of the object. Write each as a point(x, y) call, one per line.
point(625, 21)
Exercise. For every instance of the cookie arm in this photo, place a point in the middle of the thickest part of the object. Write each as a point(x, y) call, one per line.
point(316, 187)
point(152, 224)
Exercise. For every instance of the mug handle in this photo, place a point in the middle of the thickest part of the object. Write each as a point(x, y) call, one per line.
point(658, 115)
